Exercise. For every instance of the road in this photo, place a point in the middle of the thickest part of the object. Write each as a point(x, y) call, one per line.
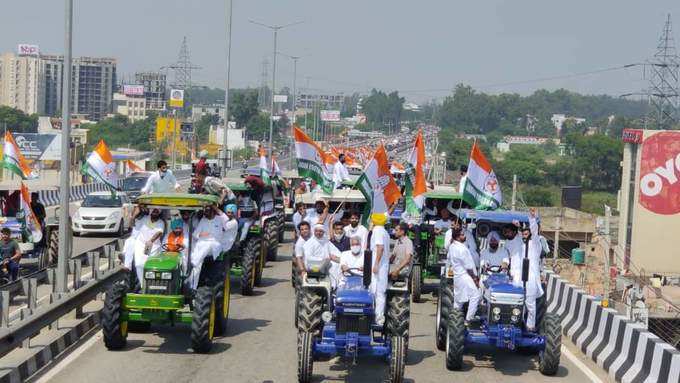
point(261, 347)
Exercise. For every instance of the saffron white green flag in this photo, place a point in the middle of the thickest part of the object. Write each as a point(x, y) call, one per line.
point(31, 222)
point(377, 184)
point(101, 167)
point(481, 189)
point(311, 160)
point(415, 186)
point(264, 171)
point(14, 161)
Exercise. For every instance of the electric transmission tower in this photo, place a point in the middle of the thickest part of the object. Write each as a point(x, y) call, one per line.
point(183, 67)
point(663, 74)
point(263, 92)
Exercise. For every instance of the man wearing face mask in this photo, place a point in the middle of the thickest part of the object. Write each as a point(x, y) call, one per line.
point(355, 228)
point(145, 241)
point(207, 240)
point(495, 255)
point(340, 240)
point(380, 247)
point(352, 259)
point(161, 181)
point(340, 172)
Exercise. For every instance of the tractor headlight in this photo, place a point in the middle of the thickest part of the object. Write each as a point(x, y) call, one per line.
point(496, 311)
point(516, 312)
point(496, 317)
point(149, 275)
point(166, 275)
point(326, 316)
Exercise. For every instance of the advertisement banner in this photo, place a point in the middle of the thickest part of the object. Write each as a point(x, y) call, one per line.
point(282, 98)
point(28, 50)
point(330, 115)
point(133, 90)
point(177, 98)
point(659, 173)
point(633, 136)
point(36, 146)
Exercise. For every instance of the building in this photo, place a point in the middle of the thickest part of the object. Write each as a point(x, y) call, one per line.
point(504, 145)
point(558, 121)
point(155, 89)
point(309, 101)
point(198, 111)
point(133, 107)
point(93, 85)
point(22, 82)
point(236, 138)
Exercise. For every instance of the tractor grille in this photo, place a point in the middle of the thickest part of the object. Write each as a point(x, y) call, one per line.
point(506, 313)
point(158, 286)
point(353, 323)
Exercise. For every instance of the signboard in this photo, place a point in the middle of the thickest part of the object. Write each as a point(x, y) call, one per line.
point(660, 172)
point(177, 98)
point(330, 115)
point(37, 146)
point(282, 98)
point(28, 50)
point(633, 136)
point(133, 90)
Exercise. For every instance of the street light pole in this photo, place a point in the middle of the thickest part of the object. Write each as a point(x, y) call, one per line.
point(225, 146)
point(64, 181)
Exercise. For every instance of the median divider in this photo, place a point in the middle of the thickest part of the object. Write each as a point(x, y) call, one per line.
point(623, 348)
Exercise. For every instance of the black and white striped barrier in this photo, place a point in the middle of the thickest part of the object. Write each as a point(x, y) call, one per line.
point(623, 348)
point(78, 193)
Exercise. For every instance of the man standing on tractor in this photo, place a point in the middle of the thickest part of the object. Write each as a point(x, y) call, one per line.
point(161, 181)
point(352, 259)
point(444, 221)
point(494, 255)
point(465, 282)
point(402, 253)
point(469, 239)
point(355, 228)
point(340, 240)
point(207, 240)
point(299, 215)
point(10, 254)
point(380, 248)
point(534, 290)
point(319, 248)
point(305, 232)
point(340, 172)
point(318, 214)
point(144, 241)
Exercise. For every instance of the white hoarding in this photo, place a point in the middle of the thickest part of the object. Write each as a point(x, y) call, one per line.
point(28, 50)
point(330, 115)
point(281, 98)
point(133, 90)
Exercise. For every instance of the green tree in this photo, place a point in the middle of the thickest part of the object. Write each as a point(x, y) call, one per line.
point(243, 106)
point(14, 120)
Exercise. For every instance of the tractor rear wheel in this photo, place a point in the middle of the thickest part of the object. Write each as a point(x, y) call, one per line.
point(261, 260)
point(305, 356)
point(273, 244)
point(280, 230)
point(398, 359)
point(549, 358)
point(222, 300)
point(416, 283)
point(444, 304)
point(455, 341)
point(251, 252)
point(203, 320)
point(297, 308)
point(310, 310)
point(51, 251)
point(115, 330)
point(398, 317)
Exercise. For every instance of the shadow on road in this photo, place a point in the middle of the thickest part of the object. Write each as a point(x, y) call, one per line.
point(175, 340)
point(240, 326)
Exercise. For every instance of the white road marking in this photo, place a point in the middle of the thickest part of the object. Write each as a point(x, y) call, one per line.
point(54, 370)
point(581, 366)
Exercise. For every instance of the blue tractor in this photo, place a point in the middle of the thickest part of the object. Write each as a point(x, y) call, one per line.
point(502, 311)
point(342, 322)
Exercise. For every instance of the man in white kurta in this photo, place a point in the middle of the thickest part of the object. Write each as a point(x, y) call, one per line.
point(207, 241)
point(494, 255)
point(340, 172)
point(318, 248)
point(230, 227)
point(353, 259)
point(534, 290)
point(469, 241)
point(465, 288)
point(145, 241)
point(380, 248)
point(355, 228)
point(299, 249)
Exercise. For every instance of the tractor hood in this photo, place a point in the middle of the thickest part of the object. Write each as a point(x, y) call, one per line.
point(354, 294)
point(163, 262)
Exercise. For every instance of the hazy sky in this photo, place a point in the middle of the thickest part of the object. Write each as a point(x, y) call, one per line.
point(417, 47)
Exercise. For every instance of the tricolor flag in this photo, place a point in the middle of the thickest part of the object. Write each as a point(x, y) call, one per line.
point(311, 160)
point(132, 167)
point(14, 161)
point(264, 168)
point(276, 171)
point(481, 188)
point(101, 167)
point(31, 222)
point(377, 184)
point(416, 186)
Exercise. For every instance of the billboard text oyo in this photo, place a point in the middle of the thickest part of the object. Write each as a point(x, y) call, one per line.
point(660, 173)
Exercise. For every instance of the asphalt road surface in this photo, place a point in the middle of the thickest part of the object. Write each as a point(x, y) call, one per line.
point(261, 347)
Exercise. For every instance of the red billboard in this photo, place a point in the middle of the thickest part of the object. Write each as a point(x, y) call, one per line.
point(660, 172)
point(633, 136)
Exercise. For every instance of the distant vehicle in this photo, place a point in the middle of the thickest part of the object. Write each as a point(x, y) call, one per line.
point(133, 184)
point(102, 212)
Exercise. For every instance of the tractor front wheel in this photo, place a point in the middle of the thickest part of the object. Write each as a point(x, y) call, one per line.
point(305, 356)
point(398, 359)
point(249, 262)
point(203, 321)
point(309, 311)
point(416, 283)
point(549, 358)
point(113, 328)
point(399, 317)
point(222, 300)
point(455, 341)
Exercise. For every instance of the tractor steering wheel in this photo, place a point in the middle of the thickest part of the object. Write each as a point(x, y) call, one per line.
point(166, 248)
point(354, 271)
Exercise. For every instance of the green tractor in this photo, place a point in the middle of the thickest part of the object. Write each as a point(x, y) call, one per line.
point(430, 251)
point(164, 296)
point(249, 256)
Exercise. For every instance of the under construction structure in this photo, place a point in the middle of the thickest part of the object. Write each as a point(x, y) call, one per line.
point(663, 74)
point(263, 93)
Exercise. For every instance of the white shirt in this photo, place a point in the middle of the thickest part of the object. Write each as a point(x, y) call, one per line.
point(340, 173)
point(442, 225)
point(147, 229)
point(209, 229)
point(459, 259)
point(157, 184)
point(461, 184)
point(352, 261)
point(299, 247)
point(534, 284)
point(495, 258)
point(297, 218)
point(381, 237)
point(469, 242)
point(360, 230)
point(318, 250)
point(230, 228)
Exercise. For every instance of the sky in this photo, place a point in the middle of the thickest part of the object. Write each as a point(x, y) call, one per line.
point(421, 48)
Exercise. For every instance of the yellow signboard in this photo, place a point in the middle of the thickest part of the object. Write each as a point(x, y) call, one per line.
point(177, 98)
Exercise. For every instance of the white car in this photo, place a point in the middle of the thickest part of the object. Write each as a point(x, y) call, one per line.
point(101, 212)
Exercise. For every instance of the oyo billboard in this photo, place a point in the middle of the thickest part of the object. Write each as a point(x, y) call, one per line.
point(28, 50)
point(659, 180)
